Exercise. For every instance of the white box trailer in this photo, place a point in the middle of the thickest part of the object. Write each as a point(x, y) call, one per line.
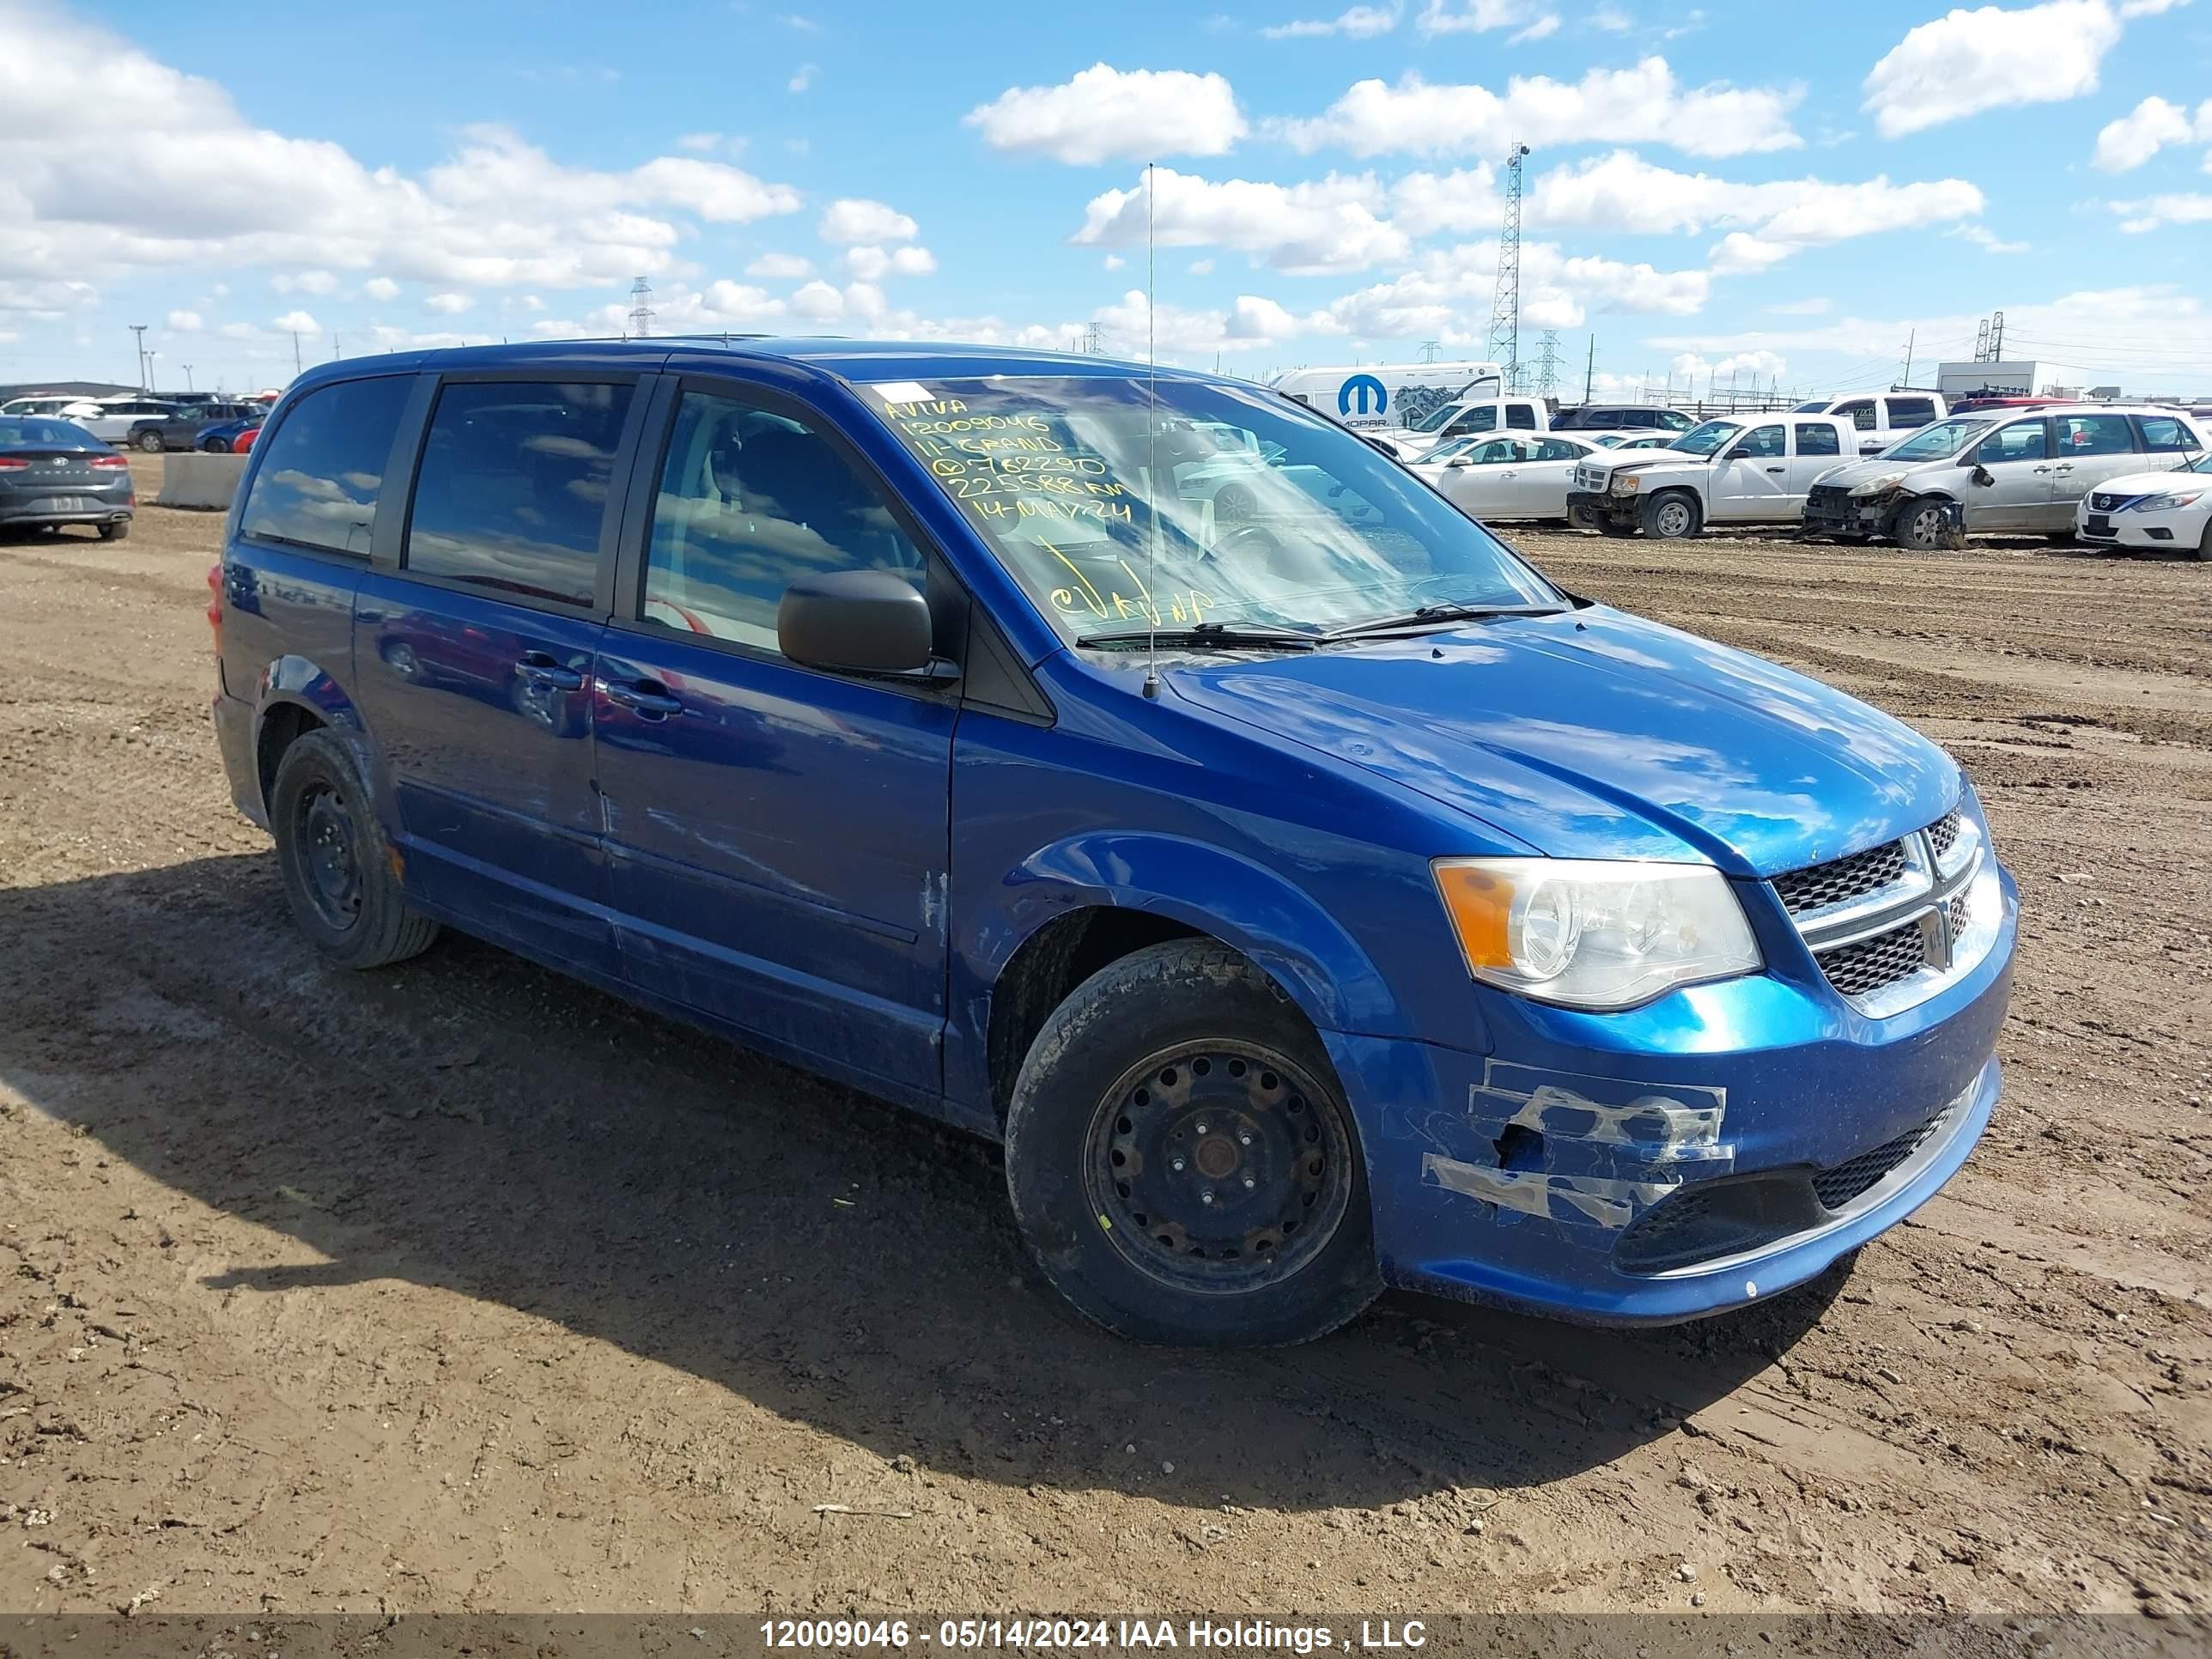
point(1388, 397)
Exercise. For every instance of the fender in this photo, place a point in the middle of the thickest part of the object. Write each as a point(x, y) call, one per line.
point(303, 682)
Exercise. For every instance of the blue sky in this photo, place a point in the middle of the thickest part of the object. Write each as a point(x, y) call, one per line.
point(1782, 192)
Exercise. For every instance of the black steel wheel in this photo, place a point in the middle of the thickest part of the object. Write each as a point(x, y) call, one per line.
point(340, 877)
point(323, 829)
point(1222, 1167)
point(1182, 1161)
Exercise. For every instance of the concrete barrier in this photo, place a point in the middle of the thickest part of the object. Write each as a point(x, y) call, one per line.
point(194, 478)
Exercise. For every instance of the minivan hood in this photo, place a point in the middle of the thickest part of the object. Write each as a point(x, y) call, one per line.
point(1596, 734)
point(1874, 466)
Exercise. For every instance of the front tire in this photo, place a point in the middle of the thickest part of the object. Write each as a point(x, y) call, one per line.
point(2204, 543)
point(1924, 526)
point(1180, 1160)
point(1672, 517)
point(149, 443)
point(216, 446)
point(336, 865)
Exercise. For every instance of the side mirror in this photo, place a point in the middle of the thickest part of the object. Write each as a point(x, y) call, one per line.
point(1983, 476)
point(857, 621)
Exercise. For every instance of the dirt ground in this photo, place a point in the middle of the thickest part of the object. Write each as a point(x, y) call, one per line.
point(462, 1288)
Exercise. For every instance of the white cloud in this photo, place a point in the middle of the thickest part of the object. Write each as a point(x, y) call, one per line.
point(1641, 104)
point(791, 19)
point(450, 305)
point(2135, 138)
point(297, 322)
point(1113, 262)
point(1480, 17)
point(1742, 368)
point(2157, 211)
point(1360, 23)
point(700, 141)
point(803, 78)
point(1611, 19)
point(1104, 113)
point(1966, 61)
point(852, 220)
point(871, 264)
point(1201, 267)
point(2149, 7)
point(186, 322)
point(779, 267)
point(1986, 240)
point(305, 282)
point(380, 287)
point(1542, 28)
point(208, 188)
point(1622, 192)
point(1331, 225)
point(1806, 307)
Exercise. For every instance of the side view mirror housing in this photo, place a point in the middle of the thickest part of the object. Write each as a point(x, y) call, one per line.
point(1981, 474)
point(859, 622)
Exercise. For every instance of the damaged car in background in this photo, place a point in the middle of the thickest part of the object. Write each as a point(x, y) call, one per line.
point(1311, 898)
point(2025, 472)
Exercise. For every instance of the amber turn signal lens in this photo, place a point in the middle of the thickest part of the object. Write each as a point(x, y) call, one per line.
point(1479, 903)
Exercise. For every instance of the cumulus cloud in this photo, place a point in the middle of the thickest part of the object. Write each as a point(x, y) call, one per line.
point(186, 322)
point(851, 221)
point(802, 79)
point(1480, 17)
point(1644, 104)
point(208, 187)
point(871, 264)
point(1966, 61)
point(380, 287)
point(297, 322)
point(1331, 225)
point(449, 304)
point(1105, 113)
point(305, 282)
point(2153, 212)
point(1359, 22)
point(2150, 127)
point(779, 267)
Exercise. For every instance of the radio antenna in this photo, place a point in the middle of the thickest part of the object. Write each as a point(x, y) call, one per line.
point(1152, 469)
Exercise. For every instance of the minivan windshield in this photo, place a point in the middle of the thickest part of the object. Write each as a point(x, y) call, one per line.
point(1707, 440)
point(1260, 515)
point(1938, 442)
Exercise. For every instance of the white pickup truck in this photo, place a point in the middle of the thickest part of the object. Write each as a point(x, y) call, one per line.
point(1745, 469)
point(1881, 418)
point(1470, 417)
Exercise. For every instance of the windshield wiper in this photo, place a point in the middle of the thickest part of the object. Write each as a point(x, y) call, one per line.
point(1424, 615)
point(1209, 634)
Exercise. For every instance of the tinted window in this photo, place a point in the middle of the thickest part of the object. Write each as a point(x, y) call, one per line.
point(1859, 412)
point(2020, 443)
point(1760, 442)
point(1521, 416)
point(512, 487)
point(1817, 440)
point(1911, 412)
point(1496, 452)
point(1558, 449)
point(1671, 421)
point(750, 501)
point(1475, 419)
point(2162, 433)
point(321, 471)
point(2094, 434)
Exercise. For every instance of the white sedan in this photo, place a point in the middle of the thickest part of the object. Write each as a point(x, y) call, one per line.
point(2169, 511)
point(1520, 477)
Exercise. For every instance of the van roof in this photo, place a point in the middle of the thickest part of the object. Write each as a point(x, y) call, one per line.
point(857, 360)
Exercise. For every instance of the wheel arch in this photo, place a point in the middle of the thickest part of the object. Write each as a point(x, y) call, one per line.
point(298, 695)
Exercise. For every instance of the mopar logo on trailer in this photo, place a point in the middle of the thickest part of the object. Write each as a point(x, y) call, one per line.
point(1363, 391)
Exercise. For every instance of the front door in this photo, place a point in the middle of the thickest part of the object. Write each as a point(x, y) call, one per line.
point(1813, 448)
point(2087, 449)
point(2016, 459)
point(1753, 481)
point(473, 661)
point(778, 836)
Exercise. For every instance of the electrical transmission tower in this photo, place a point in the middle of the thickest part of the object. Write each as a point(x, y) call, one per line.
point(1430, 349)
point(1997, 337)
point(641, 308)
point(1505, 311)
point(1548, 365)
point(1093, 345)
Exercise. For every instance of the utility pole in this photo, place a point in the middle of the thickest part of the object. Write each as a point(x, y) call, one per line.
point(150, 356)
point(1910, 337)
point(297, 366)
point(1589, 369)
point(139, 329)
point(189, 386)
point(1505, 309)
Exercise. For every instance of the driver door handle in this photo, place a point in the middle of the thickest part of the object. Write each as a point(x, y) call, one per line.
point(647, 698)
point(1777, 469)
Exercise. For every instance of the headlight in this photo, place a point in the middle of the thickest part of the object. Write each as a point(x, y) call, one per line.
point(1626, 485)
point(2167, 503)
point(1594, 934)
point(1888, 481)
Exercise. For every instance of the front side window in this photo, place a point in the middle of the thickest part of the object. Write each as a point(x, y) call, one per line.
point(1760, 443)
point(1817, 438)
point(321, 472)
point(752, 500)
point(1056, 476)
point(2094, 434)
point(513, 489)
point(2023, 440)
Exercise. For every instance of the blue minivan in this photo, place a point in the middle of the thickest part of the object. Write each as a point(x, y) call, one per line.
point(1138, 770)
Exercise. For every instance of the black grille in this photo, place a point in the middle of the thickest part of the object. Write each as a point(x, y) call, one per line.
point(2104, 501)
point(1836, 1188)
point(1943, 832)
point(1834, 497)
point(1839, 879)
point(1871, 963)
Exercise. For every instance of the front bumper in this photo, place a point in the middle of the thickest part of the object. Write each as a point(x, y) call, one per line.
point(2179, 531)
point(1845, 514)
point(1551, 1175)
point(1590, 505)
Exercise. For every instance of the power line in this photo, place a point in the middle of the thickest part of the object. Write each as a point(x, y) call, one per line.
point(1505, 309)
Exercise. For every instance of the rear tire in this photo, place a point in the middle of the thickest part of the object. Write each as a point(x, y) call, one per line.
point(1924, 526)
point(115, 532)
point(1672, 516)
point(336, 865)
point(217, 446)
point(1179, 1071)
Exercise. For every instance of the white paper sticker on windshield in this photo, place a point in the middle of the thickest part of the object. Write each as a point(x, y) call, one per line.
point(902, 391)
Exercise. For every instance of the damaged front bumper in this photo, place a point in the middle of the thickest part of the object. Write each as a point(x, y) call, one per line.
point(1707, 1151)
point(1585, 508)
point(1831, 510)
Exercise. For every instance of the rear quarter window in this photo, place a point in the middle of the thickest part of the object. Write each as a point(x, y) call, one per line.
point(321, 473)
